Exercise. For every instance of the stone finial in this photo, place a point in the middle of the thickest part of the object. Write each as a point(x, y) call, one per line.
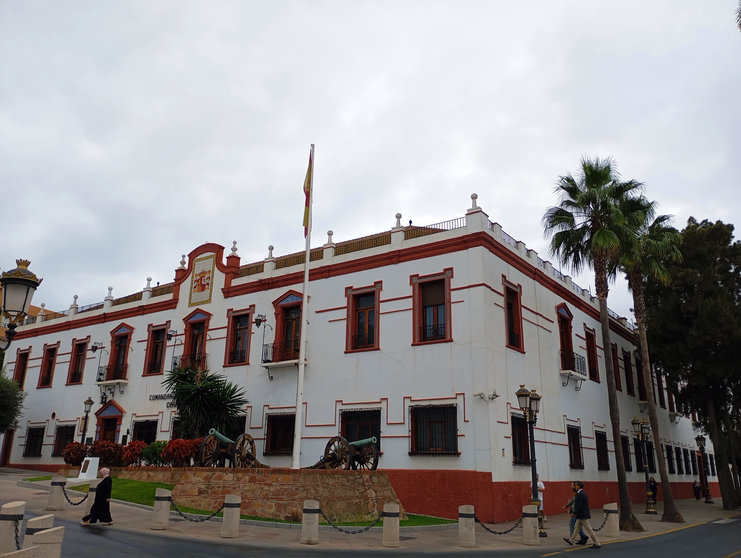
point(182, 262)
point(234, 247)
point(149, 283)
point(110, 294)
point(270, 251)
point(74, 300)
point(329, 236)
point(43, 308)
point(398, 221)
point(474, 197)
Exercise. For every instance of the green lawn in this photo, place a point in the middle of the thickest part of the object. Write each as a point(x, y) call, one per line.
point(141, 492)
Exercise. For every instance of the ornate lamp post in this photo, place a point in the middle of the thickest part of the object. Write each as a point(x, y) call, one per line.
point(642, 429)
point(18, 286)
point(704, 477)
point(88, 405)
point(529, 402)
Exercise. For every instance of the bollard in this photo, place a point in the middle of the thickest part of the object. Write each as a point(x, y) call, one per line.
point(530, 535)
point(310, 522)
point(230, 521)
point(612, 525)
point(56, 496)
point(390, 525)
point(91, 495)
point(30, 552)
point(161, 509)
point(49, 542)
point(11, 518)
point(36, 524)
point(466, 527)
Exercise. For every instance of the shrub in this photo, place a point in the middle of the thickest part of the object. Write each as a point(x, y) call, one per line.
point(152, 454)
point(176, 452)
point(132, 452)
point(108, 452)
point(74, 453)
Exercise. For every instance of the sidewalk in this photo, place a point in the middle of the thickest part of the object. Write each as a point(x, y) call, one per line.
point(137, 518)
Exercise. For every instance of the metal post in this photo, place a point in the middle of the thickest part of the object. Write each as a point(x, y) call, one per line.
point(84, 427)
point(531, 419)
point(705, 485)
point(650, 501)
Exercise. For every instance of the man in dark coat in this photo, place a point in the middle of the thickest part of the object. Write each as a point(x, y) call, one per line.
point(581, 511)
point(101, 508)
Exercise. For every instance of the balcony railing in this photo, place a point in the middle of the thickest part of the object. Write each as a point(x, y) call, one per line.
point(196, 361)
point(108, 373)
point(237, 356)
point(364, 341)
point(574, 362)
point(280, 352)
point(432, 332)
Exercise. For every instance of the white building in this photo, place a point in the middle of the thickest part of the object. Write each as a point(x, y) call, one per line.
point(418, 335)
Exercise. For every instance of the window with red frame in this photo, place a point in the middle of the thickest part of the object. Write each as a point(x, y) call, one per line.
point(434, 430)
point(603, 460)
point(678, 454)
point(566, 342)
point(48, 363)
point(592, 364)
point(431, 320)
point(361, 425)
point(513, 317)
point(576, 459)
point(626, 453)
point(642, 393)
point(118, 363)
point(616, 368)
point(21, 365)
point(240, 325)
point(77, 362)
point(660, 389)
point(629, 385)
point(156, 346)
point(362, 318)
point(64, 435)
point(279, 434)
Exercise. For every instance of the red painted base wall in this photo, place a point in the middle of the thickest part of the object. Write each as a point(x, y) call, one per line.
point(439, 493)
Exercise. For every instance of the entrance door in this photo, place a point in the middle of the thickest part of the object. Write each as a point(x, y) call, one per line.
point(108, 429)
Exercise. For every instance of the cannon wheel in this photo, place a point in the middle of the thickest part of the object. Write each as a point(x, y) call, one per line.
point(337, 453)
point(244, 451)
point(366, 457)
point(209, 454)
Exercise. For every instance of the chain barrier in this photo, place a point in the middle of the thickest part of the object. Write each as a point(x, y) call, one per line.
point(349, 531)
point(17, 521)
point(64, 491)
point(196, 520)
point(604, 521)
point(517, 523)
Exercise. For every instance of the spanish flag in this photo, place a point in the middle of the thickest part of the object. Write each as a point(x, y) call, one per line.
point(307, 191)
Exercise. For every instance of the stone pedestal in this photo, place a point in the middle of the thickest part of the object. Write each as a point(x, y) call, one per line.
point(466, 527)
point(530, 534)
point(391, 525)
point(310, 522)
point(161, 509)
point(230, 521)
point(56, 496)
point(612, 526)
point(11, 518)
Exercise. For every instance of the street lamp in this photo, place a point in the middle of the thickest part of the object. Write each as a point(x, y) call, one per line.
point(704, 477)
point(642, 428)
point(529, 402)
point(88, 405)
point(18, 286)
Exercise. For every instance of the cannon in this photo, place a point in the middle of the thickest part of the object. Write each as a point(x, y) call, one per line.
point(341, 454)
point(216, 449)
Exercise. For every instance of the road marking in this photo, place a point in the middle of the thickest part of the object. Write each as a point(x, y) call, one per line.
point(725, 521)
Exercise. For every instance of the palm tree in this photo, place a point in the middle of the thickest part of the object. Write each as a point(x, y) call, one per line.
point(655, 244)
point(204, 400)
point(587, 227)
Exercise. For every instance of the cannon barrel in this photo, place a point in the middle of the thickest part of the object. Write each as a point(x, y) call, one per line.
point(220, 436)
point(371, 440)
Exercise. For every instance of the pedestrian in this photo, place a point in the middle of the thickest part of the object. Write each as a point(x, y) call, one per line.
point(653, 489)
point(696, 490)
point(541, 494)
point(101, 509)
point(581, 512)
point(572, 518)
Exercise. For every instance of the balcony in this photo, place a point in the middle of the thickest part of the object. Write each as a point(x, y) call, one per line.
point(364, 341)
point(280, 353)
point(111, 373)
point(199, 361)
point(434, 332)
point(573, 366)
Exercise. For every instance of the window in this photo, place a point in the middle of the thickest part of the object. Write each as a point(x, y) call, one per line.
point(362, 317)
point(520, 441)
point(34, 441)
point(434, 430)
point(603, 462)
point(118, 360)
point(279, 436)
point(47, 366)
point(155, 352)
point(712, 465)
point(21, 365)
point(629, 385)
point(77, 362)
point(591, 342)
point(678, 453)
point(359, 425)
point(145, 431)
point(513, 317)
point(576, 461)
point(642, 393)
point(626, 453)
point(65, 435)
point(687, 465)
point(616, 368)
point(670, 397)
point(431, 302)
point(693, 456)
point(287, 329)
point(194, 340)
point(565, 340)
point(640, 459)
point(650, 457)
point(238, 335)
point(660, 389)
point(669, 458)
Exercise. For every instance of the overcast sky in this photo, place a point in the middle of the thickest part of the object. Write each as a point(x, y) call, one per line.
point(132, 132)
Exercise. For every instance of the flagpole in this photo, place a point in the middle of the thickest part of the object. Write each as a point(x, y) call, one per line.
point(299, 420)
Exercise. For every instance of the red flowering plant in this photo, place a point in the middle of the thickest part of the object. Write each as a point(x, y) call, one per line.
point(74, 453)
point(132, 452)
point(108, 452)
point(177, 452)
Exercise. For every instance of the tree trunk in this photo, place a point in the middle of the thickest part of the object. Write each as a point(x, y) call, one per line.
point(628, 522)
point(721, 460)
point(671, 513)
